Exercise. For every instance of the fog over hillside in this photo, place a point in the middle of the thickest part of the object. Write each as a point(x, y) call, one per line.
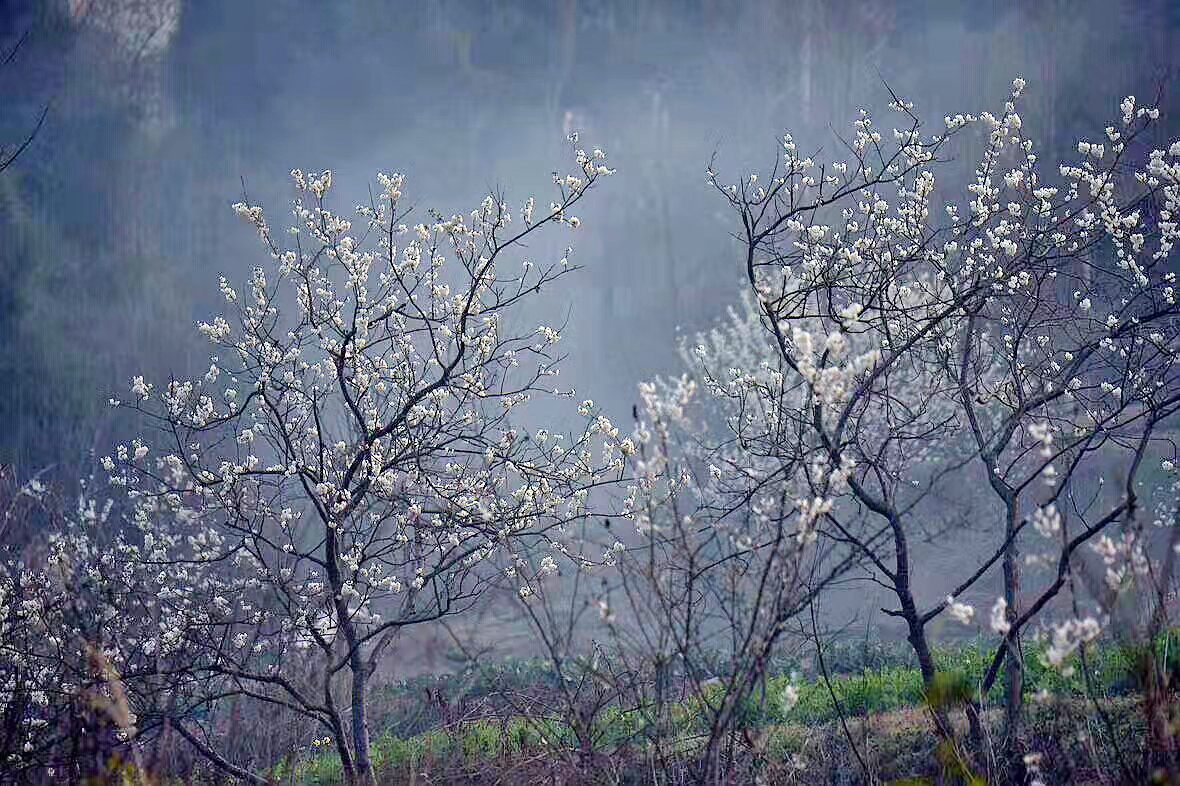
point(115, 223)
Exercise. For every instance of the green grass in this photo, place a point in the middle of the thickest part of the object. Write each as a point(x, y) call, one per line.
point(887, 685)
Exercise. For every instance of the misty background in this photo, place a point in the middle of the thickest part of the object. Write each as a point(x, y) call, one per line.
point(115, 223)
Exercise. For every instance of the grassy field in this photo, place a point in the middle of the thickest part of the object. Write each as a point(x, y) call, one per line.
point(878, 689)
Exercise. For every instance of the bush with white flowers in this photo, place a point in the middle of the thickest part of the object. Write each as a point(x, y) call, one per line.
point(353, 463)
point(882, 361)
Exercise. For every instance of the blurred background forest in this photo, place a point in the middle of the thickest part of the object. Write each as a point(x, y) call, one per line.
point(115, 222)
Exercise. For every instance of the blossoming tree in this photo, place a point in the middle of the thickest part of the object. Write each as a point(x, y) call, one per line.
point(732, 496)
point(1066, 370)
point(351, 464)
point(879, 364)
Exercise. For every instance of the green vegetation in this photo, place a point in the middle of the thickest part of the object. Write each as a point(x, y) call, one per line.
point(886, 693)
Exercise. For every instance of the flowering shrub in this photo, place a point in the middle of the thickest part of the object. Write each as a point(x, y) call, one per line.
point(64, 709)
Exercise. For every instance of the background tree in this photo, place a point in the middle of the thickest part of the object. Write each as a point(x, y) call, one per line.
point(7, 156)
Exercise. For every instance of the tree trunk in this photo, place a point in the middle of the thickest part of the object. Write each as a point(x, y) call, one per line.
point(917, 640)
point(807, 62)
point(1161, 752)
point(975, 733)
point(341, 742)
point(914, 625)
point(360, 723)
point(361, 773)
point(1013, 669)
